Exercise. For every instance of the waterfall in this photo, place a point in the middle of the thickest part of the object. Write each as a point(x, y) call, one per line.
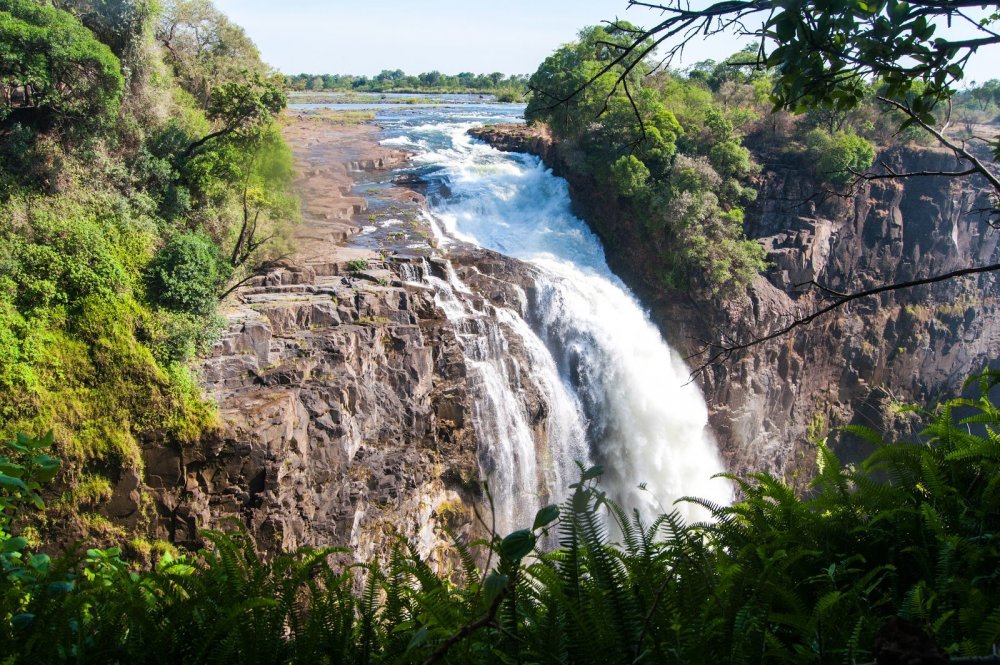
point(615, 392)
point(528, 460)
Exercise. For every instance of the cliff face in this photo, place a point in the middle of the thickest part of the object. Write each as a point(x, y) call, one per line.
point(343, 401)
point(341, 391)
point(845, 367)
point(344, 396)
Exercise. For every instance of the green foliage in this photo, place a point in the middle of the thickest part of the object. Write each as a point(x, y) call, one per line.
point(186, 274)
point(246, 106)
point(569, 90)
point(629, 175)
point(354, 265)
point(505, 88)
point(56, 70)
point(128, 191)
point(825, 63)
point(839, 157)
point(910, 532)
point(665, 147)
point(204, 48)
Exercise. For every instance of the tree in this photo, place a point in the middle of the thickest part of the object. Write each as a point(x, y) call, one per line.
point(186, 274)
point(53, 72)
point(204, 47)
point(824, 55)
point(986, 94)
point(574, 84)
point(840, 155)
point(242, 108)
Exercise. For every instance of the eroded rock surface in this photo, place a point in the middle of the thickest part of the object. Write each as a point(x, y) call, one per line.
point(341, 387)
point(851, 365)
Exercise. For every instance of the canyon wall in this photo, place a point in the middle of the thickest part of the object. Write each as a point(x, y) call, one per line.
point(851, 366)
point(344, 396)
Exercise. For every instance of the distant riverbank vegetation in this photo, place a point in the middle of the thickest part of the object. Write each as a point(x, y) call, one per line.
point(142, 174)
point(503, 87)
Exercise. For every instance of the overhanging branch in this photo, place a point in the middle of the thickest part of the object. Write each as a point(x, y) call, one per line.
point(726, 351)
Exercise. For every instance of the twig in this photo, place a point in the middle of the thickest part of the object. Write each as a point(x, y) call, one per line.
point(960, 151)
point(727, 351)
point(487, 619)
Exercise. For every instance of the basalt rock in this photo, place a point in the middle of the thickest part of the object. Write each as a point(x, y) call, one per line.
point(851, 366)
point(344, 410)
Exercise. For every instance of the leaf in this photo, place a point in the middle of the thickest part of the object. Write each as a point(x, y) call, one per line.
point(545, 516)
point(10, 481)
point(22, 620)
point(418, 638)
point(10, 468)
point(591, 473)
point(494, 585)
point(517, 545)
point(13, 545)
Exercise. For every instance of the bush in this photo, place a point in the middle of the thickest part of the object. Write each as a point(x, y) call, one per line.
point(908, 535)
point(355, 265)
point(840, 155)
point(186, 275)
point(629, 176)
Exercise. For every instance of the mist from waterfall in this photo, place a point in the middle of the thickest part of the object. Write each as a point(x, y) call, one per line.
point(619, 395)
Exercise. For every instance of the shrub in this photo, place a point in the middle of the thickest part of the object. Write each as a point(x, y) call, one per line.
point(908, 534)
point(186, 274)
point(355, 265)
point(838, 156)
point(629, 176)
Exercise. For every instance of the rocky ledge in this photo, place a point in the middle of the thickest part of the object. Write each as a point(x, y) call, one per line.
point(340, 384)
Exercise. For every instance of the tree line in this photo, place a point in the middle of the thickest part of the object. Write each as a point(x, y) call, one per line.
point(398, 81)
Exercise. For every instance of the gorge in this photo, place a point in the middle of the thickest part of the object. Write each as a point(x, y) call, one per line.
point(489, 328)
point(507, 370)
point(616, 362)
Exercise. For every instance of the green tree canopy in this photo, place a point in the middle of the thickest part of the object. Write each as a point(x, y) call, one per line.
point(243, 108)
point(571, 87)
point(825, 55)
point(204, 47)
point(53, 72)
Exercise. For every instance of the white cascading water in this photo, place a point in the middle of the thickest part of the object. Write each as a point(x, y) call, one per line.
point(616, 393)
point(525, 467)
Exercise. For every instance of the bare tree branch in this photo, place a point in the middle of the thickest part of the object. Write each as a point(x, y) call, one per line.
point(959, 151)
point(726, 351)
point(258, 270)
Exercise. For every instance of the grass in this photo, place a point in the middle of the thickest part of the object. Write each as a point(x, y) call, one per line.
point(340, 118)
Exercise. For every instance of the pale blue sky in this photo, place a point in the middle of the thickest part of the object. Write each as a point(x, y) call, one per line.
point(509, 36)
point(367, 36)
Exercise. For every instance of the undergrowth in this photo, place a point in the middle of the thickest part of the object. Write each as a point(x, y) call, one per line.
point(909, 534)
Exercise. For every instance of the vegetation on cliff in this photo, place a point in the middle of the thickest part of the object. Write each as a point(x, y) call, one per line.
point(668, 144)
point(141, 172)
point(901, 547)
point(669, 151)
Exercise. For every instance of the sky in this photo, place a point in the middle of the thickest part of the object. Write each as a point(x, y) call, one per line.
point(450, 36)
